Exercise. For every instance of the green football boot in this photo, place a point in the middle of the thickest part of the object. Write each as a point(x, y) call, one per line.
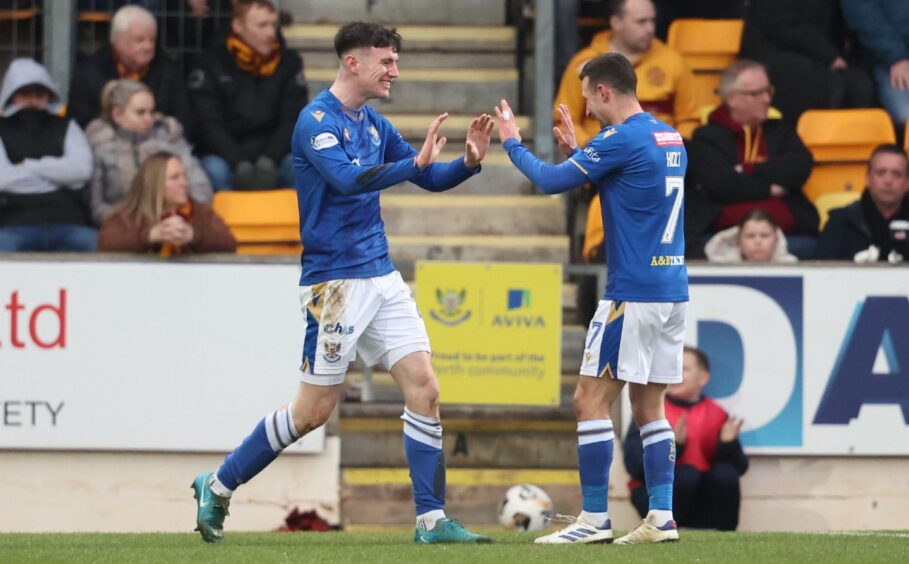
point(211, 509)
point(448, 531)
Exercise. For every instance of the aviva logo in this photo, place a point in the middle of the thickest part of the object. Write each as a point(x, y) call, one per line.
point(518, 299)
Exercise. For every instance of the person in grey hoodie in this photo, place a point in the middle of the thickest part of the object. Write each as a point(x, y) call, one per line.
point(127, 132)
point(45, 160)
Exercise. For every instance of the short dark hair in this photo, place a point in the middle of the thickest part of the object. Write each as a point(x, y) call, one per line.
point(242, 7)
point(888, 149)
point(612, 70)
point(615, 8)
point(357, 35)
point(703, 362)
point(757, 214)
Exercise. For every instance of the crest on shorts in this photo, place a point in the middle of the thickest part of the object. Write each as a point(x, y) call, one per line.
point(332, 351)
point(451, 309)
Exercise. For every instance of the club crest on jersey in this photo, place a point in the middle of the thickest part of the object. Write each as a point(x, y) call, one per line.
point(451, 310)
point(592, 154)
point(323, 141)
point(332, 352)
point(667, 138)
point(374, 135)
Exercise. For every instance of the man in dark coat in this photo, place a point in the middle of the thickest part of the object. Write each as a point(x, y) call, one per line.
point(246, 94)
point(803, 46)
point(132, 54)
point(879, 218)
point(743, 159)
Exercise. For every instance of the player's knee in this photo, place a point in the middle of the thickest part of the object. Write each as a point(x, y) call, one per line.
point(427, 392)
point(306, 420)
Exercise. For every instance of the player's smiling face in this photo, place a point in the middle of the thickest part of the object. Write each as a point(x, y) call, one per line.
point(378, 68)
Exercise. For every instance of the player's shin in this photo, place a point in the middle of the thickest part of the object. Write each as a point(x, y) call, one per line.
point(423, 447)
point(271, 436)
point(595, 442)
point(659, 467)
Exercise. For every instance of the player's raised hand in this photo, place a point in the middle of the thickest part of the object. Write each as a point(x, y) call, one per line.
point(477, 145)
point(508, 127)
point(433, 144)
point(566, 139)
point(731, 429)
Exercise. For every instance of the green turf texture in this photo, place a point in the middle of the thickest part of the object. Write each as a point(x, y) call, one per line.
point(397, 547)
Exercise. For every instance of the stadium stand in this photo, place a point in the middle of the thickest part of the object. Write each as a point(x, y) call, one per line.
point(709, 46)
point(833, 200)
point(264, 222)
point(840, 142)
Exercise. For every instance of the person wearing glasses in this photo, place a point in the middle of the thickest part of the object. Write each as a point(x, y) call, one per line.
point(746, 157)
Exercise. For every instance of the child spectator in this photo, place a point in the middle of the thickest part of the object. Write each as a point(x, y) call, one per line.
point(127, 132)
point(756, 238)
point(157, 215)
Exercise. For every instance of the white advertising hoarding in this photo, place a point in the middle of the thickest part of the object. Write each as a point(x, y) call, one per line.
point(146, 356)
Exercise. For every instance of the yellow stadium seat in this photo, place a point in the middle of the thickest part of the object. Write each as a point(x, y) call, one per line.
point(707, 45)
point(845, 135)
point(264, 222)
point(705, 86)
point(906, 137)
point(827, 202)
point(835, 178)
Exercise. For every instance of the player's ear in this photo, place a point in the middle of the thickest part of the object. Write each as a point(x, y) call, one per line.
point(350, 62)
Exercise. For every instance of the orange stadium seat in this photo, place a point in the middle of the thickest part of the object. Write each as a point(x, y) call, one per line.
point(831, 201)
point(841, 142)
point(264, 222)
point(906, 137)
point(709, 46)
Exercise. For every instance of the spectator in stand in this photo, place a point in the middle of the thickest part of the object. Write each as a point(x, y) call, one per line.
point(665, 87)
point(709, 457)
point(803, 45)
point(882, 27)
point(756, 238)
point(158, 216)
point(875, 226)
point(131, 54)
point(745, 158)
point(127, 132)
point(45, 160)
point(247, 93)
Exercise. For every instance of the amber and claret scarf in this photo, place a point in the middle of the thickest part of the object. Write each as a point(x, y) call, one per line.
point(124, 71)
point(169, 249)
point(249, 60)
point(751, 146)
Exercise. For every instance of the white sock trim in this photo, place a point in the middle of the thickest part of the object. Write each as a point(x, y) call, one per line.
point(595, 519)
point(218, 488)
point(595, 431)
point(656, 431)
point(427, 521)
point(280, 429)
point(422, 429)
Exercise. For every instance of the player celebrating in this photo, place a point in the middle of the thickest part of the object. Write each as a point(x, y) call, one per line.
point(353, 299)
point(636, 335)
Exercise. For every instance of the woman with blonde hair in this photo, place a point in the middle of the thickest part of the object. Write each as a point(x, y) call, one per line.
point(157, 215)
point(128, 131)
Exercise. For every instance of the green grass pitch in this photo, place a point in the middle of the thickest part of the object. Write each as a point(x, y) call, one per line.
point(397, 547)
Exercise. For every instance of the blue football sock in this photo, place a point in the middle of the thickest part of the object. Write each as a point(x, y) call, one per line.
point(594, 459)
point(659, 463)
point(423, 446)
point(272, 435)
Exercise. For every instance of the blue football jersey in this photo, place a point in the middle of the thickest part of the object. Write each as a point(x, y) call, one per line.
point(342, 158)
point(639, 170)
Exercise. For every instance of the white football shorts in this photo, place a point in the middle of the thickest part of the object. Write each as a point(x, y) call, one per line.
point(639, 342)
point(375, 317)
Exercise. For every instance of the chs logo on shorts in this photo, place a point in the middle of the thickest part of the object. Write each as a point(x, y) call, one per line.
point(667, 138)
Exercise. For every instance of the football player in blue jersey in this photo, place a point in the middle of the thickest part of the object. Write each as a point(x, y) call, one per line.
point(353, 299)
point(636, 336)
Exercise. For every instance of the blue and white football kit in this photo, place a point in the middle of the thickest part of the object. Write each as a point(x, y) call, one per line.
point(637, 332)
point(352, 297)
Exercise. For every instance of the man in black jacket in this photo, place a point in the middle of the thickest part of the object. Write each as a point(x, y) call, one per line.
point(742, 159)
point(131, 54)
point(246, 93)
point(878, 218)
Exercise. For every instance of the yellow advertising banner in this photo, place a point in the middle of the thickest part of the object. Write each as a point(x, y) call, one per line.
point(495, 329)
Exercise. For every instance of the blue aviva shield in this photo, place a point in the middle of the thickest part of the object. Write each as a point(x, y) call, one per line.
point(451, 307)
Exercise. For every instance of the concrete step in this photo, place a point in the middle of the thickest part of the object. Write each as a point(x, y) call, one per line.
point(456, 91)
point(422, 60)
point(413, 127)
point(498, 178)
point(442, 214)
point(401, 12)
point(518, 248)
point(416, 38)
